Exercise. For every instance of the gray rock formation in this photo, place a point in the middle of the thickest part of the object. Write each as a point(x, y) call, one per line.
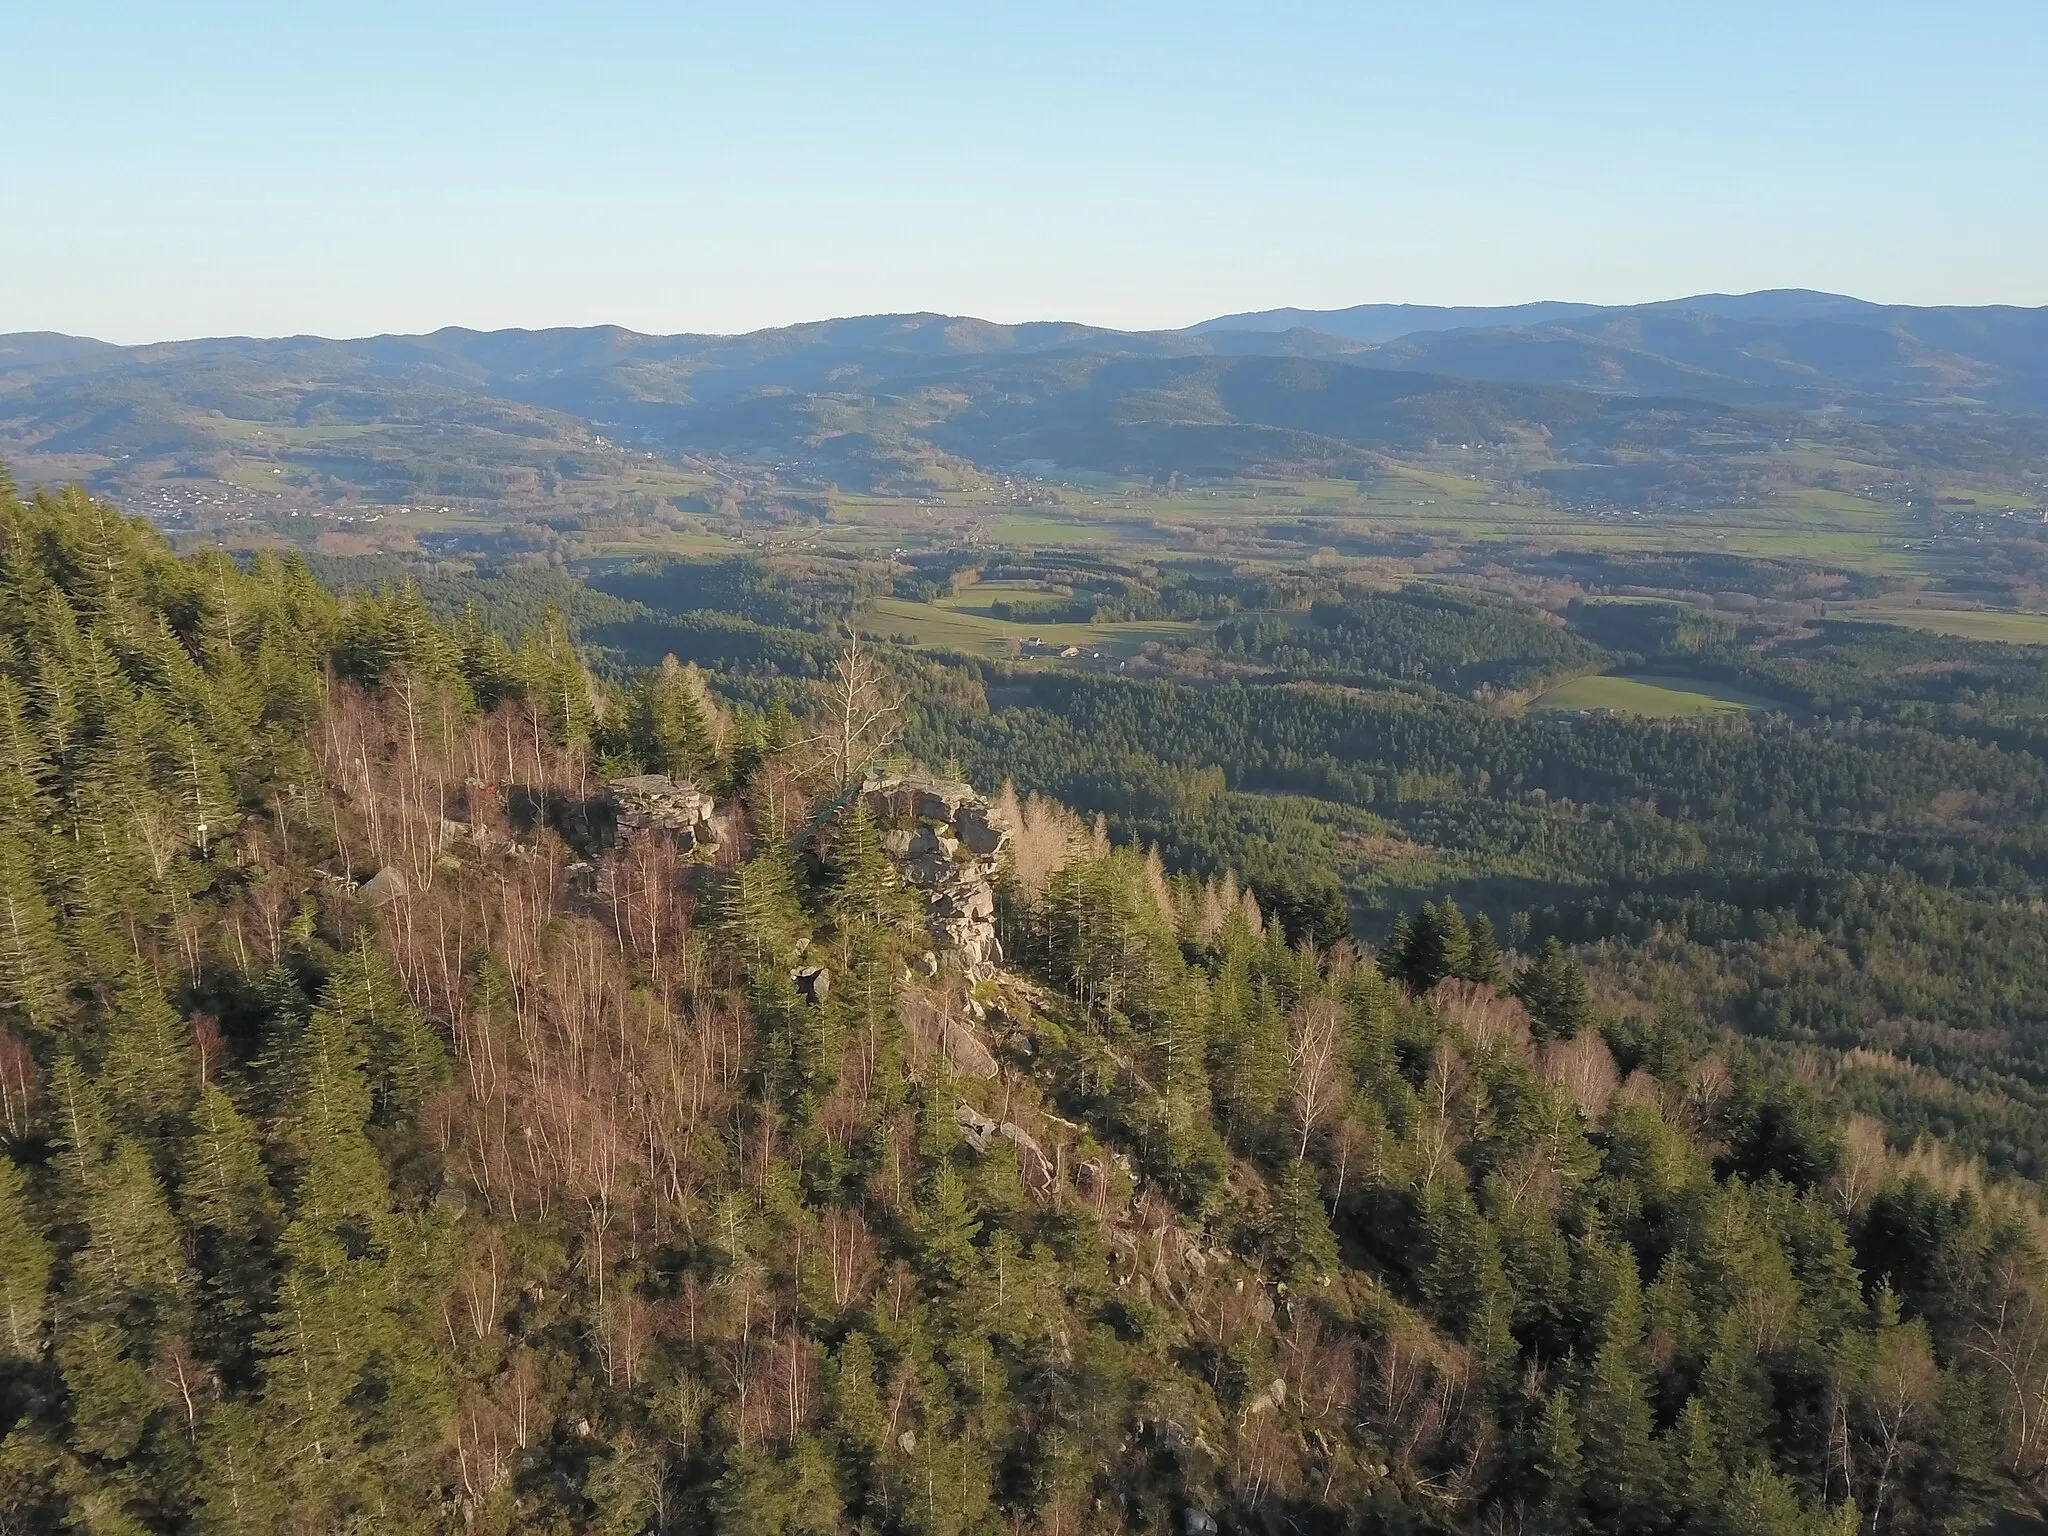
point(977, 1127)
point(382, 888)
point(966, 1055)
point(945, 838)
point(672, 808)
point(981, 1132)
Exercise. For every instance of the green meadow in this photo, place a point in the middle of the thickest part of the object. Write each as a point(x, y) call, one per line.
point(1968, 623)
point(1658, 697)
point(944, 627)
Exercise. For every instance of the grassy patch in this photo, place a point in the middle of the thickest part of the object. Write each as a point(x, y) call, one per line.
point(979, 634)
point(1969, 623)
point(1028, 528)
point(1661, 697)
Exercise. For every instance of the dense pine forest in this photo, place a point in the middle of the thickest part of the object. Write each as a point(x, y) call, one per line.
point(394, 1143)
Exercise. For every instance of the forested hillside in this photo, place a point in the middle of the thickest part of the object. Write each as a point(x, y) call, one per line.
point(393, 1144)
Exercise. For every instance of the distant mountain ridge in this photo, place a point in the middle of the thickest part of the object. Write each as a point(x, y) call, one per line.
point(1788, 348)
point(1387, 322)
point(1390, 322)
point(1616, 400)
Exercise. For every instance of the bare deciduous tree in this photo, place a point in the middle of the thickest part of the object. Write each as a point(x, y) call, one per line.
point(1315, 1044)
point(863, 718)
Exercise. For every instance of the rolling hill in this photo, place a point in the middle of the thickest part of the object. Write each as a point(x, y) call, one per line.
point(1789, 347)
point(1657, 399)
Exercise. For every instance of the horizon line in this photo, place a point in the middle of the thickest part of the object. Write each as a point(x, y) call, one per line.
point(933, 314)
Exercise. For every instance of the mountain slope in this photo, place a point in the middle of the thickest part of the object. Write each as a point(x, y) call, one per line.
point(403, 1130)
point(1876, 359)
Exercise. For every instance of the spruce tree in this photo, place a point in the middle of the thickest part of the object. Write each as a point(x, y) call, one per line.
point(1303, 1247)
point(867, 892)
point(758, 916)
point(230, 1213)
point(148, 1074)
point(110, 1392)
point(556, 686)
point(1460, 1272)
point(946, 1227)
point(132, 1268)
point(1556, 1460)
point(1433, 944)
point(340, 1179)
point(25, 1264)
point(1447, 950)
point(403, 1055)
point(333, 1318)
point(1482, 958)
point(670, 726)
point(245, 1487)
point(1625, 1476)
point(1693, 1450)
point(222, 1185)
point(24, 769)
point(31, 963)
point(1555, 992)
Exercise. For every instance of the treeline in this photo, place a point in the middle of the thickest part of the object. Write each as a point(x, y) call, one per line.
point(1648, 629)
point(1889, 670)
point(819, 596)
point(1447, 639)
point(509, 599)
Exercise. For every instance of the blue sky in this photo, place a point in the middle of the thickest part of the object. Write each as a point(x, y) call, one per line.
point(192, 169)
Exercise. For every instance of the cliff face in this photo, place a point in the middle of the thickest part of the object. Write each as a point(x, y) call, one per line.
point(944, 837)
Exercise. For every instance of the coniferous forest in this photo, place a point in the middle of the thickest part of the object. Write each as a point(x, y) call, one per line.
point(395, 1142)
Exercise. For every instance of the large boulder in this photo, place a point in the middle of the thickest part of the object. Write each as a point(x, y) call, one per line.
point(966, 1055)
point(967, 898)
point(676, 808)
point(979, 1128)
point(382, 888)
point(1031, 1156)
point(934, 843)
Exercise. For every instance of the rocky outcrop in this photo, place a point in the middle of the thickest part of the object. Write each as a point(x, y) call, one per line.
point(966, 1055)
point(940, 833)
point(673, 808)
point(382, 888)
point(1031, 1156)
point(979, 1128)
point(982, 1130)
point(945, 838)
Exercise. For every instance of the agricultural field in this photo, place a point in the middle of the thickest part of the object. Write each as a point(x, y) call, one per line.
point(1968, 623)
point(1664, 698)
point(945, 626)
